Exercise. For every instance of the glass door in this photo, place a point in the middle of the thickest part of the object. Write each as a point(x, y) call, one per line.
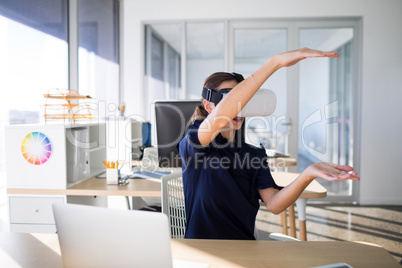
point(316, 99)
point(253, 44)
point(326, 97)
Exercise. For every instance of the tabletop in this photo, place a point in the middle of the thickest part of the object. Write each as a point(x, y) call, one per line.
point(152, 187)
point(313, 190)
point(281, 162)
point(98, 186)
point(42, 250)
point(262, 253)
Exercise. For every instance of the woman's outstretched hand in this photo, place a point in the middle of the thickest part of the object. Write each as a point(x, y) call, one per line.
point(290, 58)
point(331, 172)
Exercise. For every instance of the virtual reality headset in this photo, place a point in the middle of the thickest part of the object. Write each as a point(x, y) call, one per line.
point(263, 103)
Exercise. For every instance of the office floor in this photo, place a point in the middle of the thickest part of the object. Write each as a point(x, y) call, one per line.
point(381, 225)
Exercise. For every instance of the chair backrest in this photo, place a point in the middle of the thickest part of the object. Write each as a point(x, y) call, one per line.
point(173, 203)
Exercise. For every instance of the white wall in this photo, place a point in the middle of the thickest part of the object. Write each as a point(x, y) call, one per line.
point(381, 122)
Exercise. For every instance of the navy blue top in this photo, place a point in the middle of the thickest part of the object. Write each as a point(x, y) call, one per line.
point(221, 183)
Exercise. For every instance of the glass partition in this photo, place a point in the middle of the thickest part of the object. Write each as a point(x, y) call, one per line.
point(325, 104)
point(205, 54)
point(163, 62)
point(252, 48)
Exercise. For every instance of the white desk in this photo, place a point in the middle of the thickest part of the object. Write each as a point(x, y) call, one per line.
point(152, 188)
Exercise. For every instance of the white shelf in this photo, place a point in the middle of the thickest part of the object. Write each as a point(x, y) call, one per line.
point(97, 149)
point(96, 172)
point(123, 138)
point(72, 160)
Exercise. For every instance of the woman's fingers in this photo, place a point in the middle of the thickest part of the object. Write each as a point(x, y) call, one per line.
point(345, 168)
point(317, 53)
point(348, 176)
point(334, 172)
point(342, 176)
point(290, 58)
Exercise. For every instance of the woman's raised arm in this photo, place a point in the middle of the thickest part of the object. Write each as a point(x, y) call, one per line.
point(238, 97)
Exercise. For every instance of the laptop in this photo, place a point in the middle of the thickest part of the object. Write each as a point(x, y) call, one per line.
point(101, 237)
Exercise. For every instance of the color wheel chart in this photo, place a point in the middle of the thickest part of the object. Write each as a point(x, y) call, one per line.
point(36, 148)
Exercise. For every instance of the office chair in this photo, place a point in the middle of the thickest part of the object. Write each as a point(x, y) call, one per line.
point(275, 236)
point(173, 203)
point(284, 223)
point(281, 237)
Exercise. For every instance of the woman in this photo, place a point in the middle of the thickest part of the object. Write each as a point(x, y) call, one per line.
point(224, 178)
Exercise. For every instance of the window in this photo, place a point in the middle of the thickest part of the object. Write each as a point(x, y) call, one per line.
point(202, 55)
point(98, 54)
point(33, 59)
point(34, 56)
point(163, 62)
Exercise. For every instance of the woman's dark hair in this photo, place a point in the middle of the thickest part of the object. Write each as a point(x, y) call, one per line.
point(212, 82)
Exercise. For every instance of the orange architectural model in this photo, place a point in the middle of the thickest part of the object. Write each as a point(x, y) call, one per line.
point(67, 104)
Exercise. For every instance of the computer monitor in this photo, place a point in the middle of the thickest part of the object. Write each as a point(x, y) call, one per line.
point(172, 119)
